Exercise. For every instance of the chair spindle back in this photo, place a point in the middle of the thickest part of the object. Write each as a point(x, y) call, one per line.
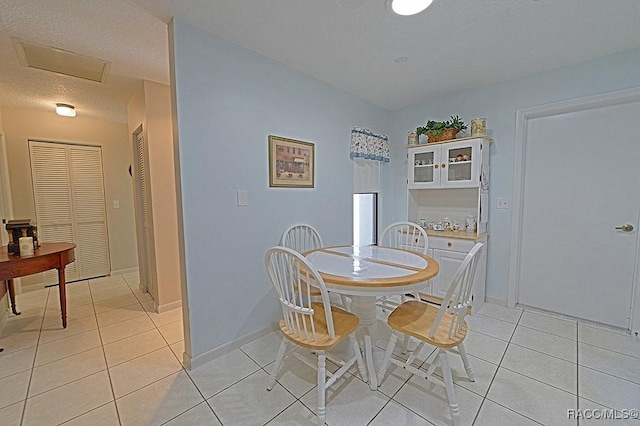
point(289, 272)
point(458, 297)
point(405, 235)
point(301, 238)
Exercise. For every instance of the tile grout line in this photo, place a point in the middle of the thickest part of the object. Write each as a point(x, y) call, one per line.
point(26, 396)
point(106, 364)
point(577, 371)
point(484, 398)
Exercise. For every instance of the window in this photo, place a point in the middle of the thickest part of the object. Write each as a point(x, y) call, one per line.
point(365, 219)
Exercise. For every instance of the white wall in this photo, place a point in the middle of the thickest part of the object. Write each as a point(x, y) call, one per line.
point(151, 108)
point(228, 101)
point(499, 103)
point(21, 125)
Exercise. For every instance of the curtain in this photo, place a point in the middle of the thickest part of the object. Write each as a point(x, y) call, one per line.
point(368, 144)
point(366, 176)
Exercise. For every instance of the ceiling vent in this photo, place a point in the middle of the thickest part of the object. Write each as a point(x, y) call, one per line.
point(61, 61)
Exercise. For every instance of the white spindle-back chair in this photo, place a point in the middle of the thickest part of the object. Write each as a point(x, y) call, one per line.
point(316, 326)
point(443, 327)
point(302, 238)
point(404, 235)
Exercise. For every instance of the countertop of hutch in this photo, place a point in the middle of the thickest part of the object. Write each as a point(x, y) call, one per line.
point(456, 234)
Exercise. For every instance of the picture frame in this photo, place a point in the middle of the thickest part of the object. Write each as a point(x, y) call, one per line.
point(291, 163)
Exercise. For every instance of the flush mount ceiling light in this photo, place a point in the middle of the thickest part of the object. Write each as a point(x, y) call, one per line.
point(407, 7)
point(65, 110)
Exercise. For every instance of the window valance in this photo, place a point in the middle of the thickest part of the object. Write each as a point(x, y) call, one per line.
point(368, 144)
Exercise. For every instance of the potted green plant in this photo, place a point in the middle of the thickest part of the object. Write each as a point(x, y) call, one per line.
point(437, 131)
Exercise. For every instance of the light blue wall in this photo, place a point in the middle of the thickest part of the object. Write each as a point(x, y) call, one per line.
point(228, 101)
point(499, 104)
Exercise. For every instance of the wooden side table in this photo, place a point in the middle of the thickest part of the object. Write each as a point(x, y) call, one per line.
point(48, 256)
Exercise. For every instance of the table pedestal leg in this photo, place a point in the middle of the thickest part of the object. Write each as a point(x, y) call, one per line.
point(12, 297)
point(365, 308)
point(63, 296)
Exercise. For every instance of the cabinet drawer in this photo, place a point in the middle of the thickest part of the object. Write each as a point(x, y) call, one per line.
point(452, 244)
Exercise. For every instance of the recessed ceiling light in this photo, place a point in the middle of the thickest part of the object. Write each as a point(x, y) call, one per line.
point(408, 7)
point(65, 110)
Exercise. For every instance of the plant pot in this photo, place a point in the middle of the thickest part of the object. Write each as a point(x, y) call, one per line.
point(446, 135)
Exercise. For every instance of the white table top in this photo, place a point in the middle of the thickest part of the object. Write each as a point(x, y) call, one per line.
point(369, 270)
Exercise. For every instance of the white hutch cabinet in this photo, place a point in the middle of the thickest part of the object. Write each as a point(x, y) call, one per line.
point(449, 181)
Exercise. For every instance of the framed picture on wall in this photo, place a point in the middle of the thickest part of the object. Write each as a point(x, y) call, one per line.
point(291, 163)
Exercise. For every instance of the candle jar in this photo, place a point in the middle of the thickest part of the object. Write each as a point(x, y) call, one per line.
point(412, 138)
point(478, 126)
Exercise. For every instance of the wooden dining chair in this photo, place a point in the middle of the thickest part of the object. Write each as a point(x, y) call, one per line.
point(315, 326)
point(404, 235)
point(443, 327)
point(302, 238)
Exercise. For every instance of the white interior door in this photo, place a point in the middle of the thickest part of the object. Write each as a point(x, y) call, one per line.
point(144, 220)
point(581, 176)
point(68, 189)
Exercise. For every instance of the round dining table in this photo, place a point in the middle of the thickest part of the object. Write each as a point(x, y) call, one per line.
point(367, 272)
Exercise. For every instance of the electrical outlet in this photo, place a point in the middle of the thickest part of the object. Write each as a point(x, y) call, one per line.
point(503, 203)
point(116, 204)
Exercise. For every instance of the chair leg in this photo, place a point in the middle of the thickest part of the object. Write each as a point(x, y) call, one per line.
point(322, 409)
point(448, 382)
point(465, 361)
point(345, 303)
point(387, 357)
point(277, 364)
point(406, 343)
point(361, 365)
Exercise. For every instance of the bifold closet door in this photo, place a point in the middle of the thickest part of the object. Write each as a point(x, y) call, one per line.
point(68, 191)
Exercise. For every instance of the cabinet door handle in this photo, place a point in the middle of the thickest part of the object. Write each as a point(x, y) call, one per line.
point(435, 167)
point(626, 227)
point(449, 244)
point(444, 165)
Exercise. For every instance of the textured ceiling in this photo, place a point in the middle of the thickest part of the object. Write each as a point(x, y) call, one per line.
point(452, 46)
point(117, 31)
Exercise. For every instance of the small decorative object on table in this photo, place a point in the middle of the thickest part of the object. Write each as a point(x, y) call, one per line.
point(21, 228)
point(438, 131)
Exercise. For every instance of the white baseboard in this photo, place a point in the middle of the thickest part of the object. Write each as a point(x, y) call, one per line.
point(495, 301)
point(4, 312)
point(168, 306)
point(194, 362)
point(28, 288)
point(125, 271)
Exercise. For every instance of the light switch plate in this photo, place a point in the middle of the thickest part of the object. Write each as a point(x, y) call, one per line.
point(242, 198)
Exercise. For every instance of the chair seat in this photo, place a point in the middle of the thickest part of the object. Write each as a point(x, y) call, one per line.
point(344, 323)
point(415, 319)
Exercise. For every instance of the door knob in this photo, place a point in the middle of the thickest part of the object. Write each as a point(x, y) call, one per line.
point(627, 227)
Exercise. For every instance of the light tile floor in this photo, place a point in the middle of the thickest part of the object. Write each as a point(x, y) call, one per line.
point(118, 363)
